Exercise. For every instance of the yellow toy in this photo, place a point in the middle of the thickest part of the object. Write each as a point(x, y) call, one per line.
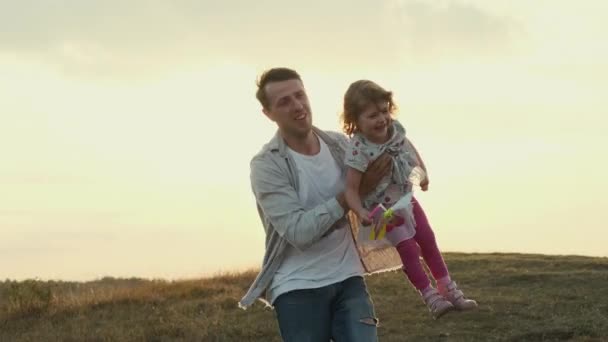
point(384, 220)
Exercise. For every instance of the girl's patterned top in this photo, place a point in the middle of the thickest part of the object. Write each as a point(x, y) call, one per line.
point(362, 152)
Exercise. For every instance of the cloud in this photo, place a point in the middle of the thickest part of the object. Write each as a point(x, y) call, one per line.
point(119, 38)
point(139, 36)
point(95, 37)
point(447, 30)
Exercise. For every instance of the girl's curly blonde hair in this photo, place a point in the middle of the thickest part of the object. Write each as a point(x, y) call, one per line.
point(358, 96)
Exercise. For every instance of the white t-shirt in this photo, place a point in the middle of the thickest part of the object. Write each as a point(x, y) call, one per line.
point(334, 257)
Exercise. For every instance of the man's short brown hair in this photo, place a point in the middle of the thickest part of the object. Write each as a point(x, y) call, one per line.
point(273, 75)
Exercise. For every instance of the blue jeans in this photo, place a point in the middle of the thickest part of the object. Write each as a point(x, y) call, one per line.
point(342, 312)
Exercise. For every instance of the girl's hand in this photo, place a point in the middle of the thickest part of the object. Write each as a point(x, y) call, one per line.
point(424, 185)
point(364, 217)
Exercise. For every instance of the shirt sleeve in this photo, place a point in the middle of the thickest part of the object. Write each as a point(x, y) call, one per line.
point(356, 155)
point(281, 205)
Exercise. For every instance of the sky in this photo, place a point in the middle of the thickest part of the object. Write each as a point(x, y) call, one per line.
point(126, 128)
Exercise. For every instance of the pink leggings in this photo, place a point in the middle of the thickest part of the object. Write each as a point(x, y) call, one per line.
point(410, 253)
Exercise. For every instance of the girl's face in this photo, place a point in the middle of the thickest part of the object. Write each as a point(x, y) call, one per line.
point(373, 122)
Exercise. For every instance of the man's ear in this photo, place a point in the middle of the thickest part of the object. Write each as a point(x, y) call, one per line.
point(267, 113)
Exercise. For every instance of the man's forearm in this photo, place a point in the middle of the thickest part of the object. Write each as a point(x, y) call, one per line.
point(341, 198)
point(282, 207)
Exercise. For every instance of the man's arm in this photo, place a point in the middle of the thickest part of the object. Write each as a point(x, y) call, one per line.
point(370, 179)
point(376, 170)
point(281, 206)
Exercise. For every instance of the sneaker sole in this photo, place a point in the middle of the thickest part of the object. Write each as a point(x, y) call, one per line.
point(441, 313)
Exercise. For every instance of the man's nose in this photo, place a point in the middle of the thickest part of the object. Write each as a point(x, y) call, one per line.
point(298, 105)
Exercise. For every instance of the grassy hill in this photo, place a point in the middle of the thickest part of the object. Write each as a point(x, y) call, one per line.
point(521, 297)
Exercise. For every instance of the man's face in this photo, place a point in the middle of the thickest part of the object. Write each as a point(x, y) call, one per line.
point(289, 108)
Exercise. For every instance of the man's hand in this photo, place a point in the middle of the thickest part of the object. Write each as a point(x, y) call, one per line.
point(376, 170)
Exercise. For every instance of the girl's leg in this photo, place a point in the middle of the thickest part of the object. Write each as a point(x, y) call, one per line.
point(432, 256)
point(428, 245)
point(410, 257)
point(412, 267)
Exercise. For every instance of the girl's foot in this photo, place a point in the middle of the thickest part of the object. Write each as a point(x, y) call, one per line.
point(437, 304)
point(452, 293)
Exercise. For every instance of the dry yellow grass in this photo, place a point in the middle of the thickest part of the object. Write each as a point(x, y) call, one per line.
point(522, 298)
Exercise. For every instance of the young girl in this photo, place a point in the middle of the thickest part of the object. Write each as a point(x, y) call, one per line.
point(367, 118)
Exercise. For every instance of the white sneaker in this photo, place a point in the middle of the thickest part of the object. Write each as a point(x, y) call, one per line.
point(437, 304)
point(452, 293)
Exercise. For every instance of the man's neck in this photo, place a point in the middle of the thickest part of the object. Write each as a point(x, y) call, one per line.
point(308, 145)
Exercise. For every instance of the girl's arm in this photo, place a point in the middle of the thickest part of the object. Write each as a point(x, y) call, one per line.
point(424, 184)
point(353, 181)
point(417, 155)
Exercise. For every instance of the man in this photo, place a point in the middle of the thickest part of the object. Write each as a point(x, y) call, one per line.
point(311, 273)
